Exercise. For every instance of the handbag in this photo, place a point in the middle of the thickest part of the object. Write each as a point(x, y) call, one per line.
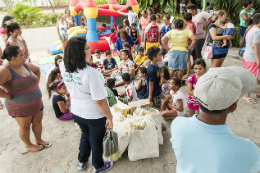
point(207, 51)
point(111, 150)
point(241, 49)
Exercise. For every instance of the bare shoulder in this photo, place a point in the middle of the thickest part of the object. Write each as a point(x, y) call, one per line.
point(5, 75)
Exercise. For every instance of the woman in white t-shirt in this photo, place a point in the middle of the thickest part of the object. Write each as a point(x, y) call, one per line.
point(182, 7)
point(62, 31)
point(89, 106)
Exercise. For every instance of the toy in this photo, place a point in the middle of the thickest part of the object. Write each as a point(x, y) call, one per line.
point(91, 11)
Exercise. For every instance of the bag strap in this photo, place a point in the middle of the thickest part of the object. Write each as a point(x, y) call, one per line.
point(243, 40)
point(77, 86)
point(207, 36)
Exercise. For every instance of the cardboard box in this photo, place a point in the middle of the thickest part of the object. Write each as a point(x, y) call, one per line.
point(133, 105)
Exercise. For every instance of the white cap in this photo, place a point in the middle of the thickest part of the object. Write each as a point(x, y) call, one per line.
point(221, 87)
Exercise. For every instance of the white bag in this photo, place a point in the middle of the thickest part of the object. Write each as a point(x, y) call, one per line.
point(121, 108)
point(155, 116)
point(143, 143)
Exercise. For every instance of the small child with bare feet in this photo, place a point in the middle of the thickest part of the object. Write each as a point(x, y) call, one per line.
point(230, 29)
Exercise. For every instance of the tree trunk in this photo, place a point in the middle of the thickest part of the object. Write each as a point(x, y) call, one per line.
point(51, 6)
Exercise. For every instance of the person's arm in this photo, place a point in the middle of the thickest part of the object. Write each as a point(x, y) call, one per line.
point(3, 38)
point(159, 37)
point(1, 53)
point(137, 68)
point(122, 13)
point(136, 41)
point(213, 33)
point(117, 47)
point(208, 23)
point(104, 108)
point(164, 42)
point(248, 28)
point(64, 107)
point(180, 108)
point(151, 88)
point(130, 98)
point(193, 38)
point(256, 52)
point(57, 27)
point(35, 70)
point(190, 90)
point(138, 86)
point(245, 17)
point(5, 76)
point(137, 18)
point(145, 34)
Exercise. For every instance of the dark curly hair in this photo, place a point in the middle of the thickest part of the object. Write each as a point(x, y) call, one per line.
point(6, 18)
point(74, 56)
point(11, 27)
point(10, 51)
point(122, 32)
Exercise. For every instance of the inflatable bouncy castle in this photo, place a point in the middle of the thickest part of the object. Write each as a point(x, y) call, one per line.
point(91, 11)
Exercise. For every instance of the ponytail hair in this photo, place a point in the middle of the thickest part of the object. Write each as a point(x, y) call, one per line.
point(9, 52)
point(11, 27)
point(5, 19)
point(218, 14)
point(178, 23)
point(51, 79)
point(53, 86)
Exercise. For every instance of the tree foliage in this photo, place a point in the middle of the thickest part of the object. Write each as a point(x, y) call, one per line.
point(233, 8)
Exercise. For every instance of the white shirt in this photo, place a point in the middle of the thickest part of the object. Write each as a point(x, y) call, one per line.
point(132, 17)
point(98, 61)
point(49, 72)
point(230, 25)
point(87, 80)
point(63, 28)
point(179, 96)
point(131, 91)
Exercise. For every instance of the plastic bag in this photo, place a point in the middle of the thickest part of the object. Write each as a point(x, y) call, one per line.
point(143, 143)
point(111, 150)
point(121, 108)
point(155, 116)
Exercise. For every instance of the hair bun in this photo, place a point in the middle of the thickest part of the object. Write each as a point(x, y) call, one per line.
point(3, 56)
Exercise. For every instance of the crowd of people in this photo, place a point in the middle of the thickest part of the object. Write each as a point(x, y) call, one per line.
point(81, 82)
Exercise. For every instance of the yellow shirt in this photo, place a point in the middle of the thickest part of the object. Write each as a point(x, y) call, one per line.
point(178, 39)
point(139, 60)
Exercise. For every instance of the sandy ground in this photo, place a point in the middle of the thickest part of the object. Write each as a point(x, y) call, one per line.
point(62, 156)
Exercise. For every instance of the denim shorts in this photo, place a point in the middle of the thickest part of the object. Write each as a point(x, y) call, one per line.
point(178, 60)
point(64, 37)
point(198, 47)
point(242, 30)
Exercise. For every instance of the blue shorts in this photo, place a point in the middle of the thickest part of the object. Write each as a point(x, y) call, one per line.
point(242, 30)
point(177, 60)
point(229, 31)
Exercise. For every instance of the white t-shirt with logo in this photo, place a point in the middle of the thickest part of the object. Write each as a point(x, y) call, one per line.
point(131, 91)
point(98, 61)
point(80, 85)
point(132, 17)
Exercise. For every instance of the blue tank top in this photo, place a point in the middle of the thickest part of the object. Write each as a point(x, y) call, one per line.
point(142, 93)
point(164, 30)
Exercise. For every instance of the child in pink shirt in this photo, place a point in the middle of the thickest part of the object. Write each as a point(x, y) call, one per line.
point(199, 68)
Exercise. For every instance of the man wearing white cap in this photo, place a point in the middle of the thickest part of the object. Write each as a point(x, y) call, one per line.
point(204, 143)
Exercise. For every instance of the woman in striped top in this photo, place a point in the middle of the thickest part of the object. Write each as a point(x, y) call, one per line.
point(23, 98)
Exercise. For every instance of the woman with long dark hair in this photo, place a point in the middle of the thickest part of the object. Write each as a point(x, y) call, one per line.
point(89, 107)
point(6, 20)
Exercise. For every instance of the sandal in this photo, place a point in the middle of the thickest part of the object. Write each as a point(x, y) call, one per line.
point(37, 148)
point(257, 95)
point(249, 100)
point(1, 106)
point(46, 144)
point(163, 127)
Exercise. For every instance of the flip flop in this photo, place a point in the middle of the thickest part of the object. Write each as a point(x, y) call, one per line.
point(163, 127)
point(46, 144)
point(38, 148)
point(257, 95)
point(249, 100)
point(1, 106)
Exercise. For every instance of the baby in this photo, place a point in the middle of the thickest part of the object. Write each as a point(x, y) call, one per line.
point(229, 28)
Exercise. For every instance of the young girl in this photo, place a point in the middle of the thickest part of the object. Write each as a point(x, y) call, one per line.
point(199, 68)
point(62, 31)
point(60, 102)
point(126, 25)
point(57, 61)
point(141, 87)
point(54, 76)
point(165, 80)
point(179, 105)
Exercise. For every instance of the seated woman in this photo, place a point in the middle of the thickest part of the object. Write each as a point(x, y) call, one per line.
point(60, 102)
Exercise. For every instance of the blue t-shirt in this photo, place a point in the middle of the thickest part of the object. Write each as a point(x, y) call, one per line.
point(109, 65)
point(204, 148)
point(119, 42)
point(153, 75)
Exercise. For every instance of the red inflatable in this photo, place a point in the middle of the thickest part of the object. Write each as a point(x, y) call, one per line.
point(102, 45)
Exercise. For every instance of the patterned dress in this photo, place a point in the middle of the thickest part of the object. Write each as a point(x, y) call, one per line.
point(163, 32)
point(26, 95)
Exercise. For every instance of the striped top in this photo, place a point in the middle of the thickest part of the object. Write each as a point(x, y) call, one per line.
point(26, 95)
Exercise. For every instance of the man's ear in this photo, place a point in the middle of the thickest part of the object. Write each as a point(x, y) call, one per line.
point(233, 107)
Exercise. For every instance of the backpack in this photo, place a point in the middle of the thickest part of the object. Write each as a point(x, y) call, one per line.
point(111, 97)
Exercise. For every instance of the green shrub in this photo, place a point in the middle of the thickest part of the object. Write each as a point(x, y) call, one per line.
point(236, 39)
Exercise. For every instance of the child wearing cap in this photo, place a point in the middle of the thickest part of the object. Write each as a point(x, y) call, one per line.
point(179, 104)
point(205, 141)
point(199, 68)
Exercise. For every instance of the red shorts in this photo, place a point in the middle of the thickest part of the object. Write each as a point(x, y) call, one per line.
point(251, 66)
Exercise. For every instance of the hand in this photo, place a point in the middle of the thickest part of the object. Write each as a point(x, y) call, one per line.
point(20, 37)
point(229, 37)
point(119, 72)
point(258, 64)
point(188, 47)
point(109, 123)
point(151, 102)
point(204, 27)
